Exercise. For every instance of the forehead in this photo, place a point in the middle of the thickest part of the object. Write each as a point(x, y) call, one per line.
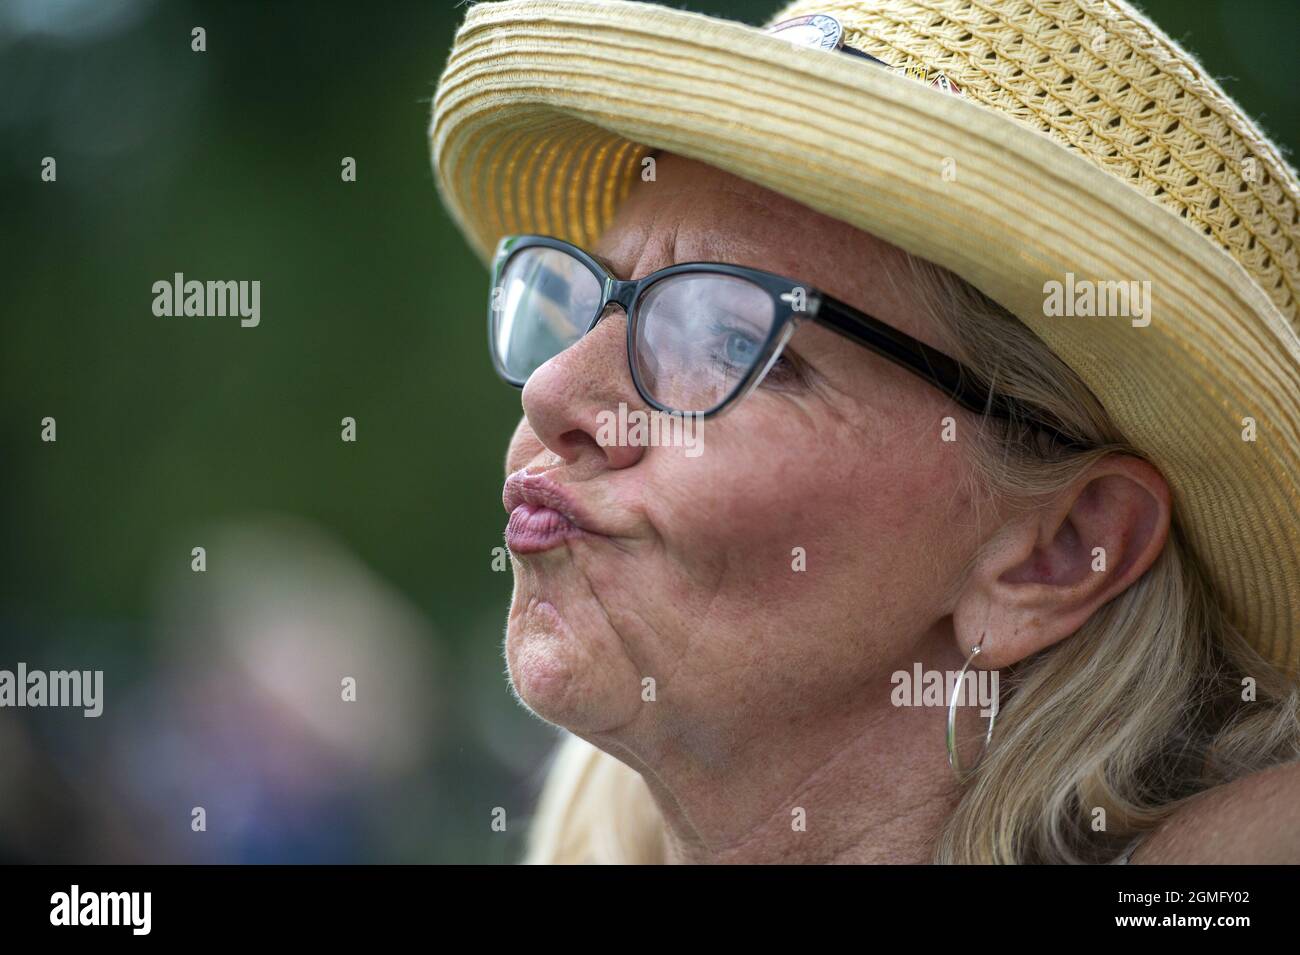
point(693, 212)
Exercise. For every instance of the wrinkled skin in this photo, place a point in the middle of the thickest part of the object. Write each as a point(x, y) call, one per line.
point(771, 687)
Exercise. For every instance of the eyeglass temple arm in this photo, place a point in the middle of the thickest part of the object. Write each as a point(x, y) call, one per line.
point(918, 357)
point(954, 378)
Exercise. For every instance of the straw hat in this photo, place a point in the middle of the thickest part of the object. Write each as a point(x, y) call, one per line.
point(1017, 143)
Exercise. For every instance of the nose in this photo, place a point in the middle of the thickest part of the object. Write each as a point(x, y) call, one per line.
point(570, 400)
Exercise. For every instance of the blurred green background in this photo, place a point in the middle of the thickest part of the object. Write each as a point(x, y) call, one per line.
point(325, 559)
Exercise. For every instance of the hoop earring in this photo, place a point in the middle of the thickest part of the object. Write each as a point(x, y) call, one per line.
point(954, 761)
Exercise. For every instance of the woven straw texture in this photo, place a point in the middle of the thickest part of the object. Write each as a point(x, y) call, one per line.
point(1099, 79)
point(1085, 142)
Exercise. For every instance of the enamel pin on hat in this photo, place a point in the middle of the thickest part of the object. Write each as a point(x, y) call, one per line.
point(817, 30)
point(822, 31)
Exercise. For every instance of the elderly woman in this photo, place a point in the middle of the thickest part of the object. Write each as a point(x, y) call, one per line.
point(983, 315)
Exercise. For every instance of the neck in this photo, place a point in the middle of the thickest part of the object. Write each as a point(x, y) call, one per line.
point(841, 786)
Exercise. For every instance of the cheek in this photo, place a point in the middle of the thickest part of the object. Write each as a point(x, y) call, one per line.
point(843, 501)
point(798, 549)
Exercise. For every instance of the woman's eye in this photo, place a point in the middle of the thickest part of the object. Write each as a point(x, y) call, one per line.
point(740, 349)
point(734, 346)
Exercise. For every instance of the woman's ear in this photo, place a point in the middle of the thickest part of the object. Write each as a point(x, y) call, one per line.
point(1046, 571)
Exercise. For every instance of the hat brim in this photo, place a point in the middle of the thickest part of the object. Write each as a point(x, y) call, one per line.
point(546, 108)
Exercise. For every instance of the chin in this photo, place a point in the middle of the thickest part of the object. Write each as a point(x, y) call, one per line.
point(555, 673)
point(549, 668)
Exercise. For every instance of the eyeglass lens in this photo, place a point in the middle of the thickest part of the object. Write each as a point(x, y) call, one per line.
point(696, 335)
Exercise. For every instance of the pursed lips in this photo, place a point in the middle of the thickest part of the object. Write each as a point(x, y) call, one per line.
point(543, 514)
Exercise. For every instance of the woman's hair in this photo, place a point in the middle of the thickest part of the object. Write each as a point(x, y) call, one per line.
point(1100, 737)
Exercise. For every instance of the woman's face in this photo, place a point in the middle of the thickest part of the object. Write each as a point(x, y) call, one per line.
point(687, 569)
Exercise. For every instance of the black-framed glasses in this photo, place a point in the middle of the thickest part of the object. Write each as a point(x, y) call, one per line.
point(700, 335)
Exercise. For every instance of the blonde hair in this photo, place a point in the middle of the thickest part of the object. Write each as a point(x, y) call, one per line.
point(1138, 711)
